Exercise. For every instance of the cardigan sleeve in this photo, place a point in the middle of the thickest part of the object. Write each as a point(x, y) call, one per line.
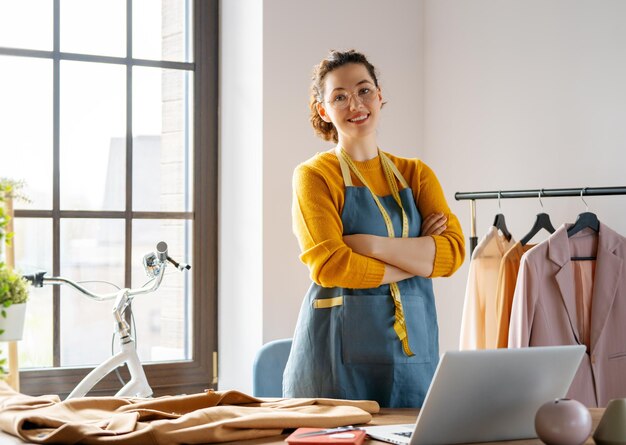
point(449, 245)
point(317, 225)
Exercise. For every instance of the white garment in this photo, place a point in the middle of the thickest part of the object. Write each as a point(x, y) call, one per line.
point(479, 324)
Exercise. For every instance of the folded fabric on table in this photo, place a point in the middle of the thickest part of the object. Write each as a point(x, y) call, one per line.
point(211, 416)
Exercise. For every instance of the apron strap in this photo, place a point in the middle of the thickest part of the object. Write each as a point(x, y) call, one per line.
point(391, 181)
point(345, 169)
point(346, 163)
point(344, 158)
point(394, 169)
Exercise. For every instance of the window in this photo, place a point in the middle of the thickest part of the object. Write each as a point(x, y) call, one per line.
point(109, 111)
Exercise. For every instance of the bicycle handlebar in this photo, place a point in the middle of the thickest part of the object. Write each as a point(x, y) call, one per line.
point(75, 285)
point(154, 264)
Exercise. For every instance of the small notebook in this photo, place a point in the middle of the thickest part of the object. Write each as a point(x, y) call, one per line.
point(354, 437)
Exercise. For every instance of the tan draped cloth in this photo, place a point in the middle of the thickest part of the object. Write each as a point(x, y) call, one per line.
point(206, 417)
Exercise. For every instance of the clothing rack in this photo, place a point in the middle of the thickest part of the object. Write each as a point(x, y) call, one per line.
point(534, 193)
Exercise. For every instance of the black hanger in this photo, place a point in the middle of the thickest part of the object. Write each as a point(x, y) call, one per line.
point(584, 220)
point(500, 224)
point(541, 222)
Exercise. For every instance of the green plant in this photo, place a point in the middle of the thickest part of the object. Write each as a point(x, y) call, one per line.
point(13, 288)
point(9, 188)
point(4, 221)
point(12, 188)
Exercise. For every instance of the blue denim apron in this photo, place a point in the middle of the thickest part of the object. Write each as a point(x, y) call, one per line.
point(345, 345)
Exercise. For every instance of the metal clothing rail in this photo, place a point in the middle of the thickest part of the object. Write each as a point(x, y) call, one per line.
point(533, 193)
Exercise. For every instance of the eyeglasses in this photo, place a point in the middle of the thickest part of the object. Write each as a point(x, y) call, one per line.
point(341, 99)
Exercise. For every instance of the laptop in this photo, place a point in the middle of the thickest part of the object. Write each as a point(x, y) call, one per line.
point(487, 395)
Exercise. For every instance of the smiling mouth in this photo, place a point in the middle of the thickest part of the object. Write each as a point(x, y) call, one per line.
point(359, 119)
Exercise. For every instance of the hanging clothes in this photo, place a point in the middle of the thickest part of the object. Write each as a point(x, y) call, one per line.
point(507, 277)
point(479, 319)
point(551, 306)
point(348, 343)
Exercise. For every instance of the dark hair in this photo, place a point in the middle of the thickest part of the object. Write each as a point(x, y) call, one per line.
point(334, 60)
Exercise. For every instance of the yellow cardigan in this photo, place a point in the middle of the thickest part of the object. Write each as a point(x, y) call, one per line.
point(318, 198)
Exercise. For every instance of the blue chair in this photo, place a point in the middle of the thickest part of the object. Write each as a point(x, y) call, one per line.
point(267, 371)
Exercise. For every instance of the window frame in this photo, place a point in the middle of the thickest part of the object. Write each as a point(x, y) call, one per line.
point(200, 372)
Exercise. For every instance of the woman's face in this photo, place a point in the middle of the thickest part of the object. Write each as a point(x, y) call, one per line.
point(351, 101)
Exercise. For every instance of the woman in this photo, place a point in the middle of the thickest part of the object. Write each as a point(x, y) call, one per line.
point(367, 328)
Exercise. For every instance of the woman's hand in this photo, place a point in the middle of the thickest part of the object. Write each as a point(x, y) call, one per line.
point(434, 224)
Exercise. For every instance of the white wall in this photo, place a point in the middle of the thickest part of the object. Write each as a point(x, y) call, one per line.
point(493, 94)
point(524, 94)
point(240, 266)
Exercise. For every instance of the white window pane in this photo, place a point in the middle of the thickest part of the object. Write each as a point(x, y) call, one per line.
point(94, 27)
point(33, 252)
point(162, 139)
point(91, 250)
point(26, 24)
point(163, 318)
point(26, 123)
point(162, 30)
point(93, 141)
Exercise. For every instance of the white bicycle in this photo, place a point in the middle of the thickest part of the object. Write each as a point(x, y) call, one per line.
point(137, 386)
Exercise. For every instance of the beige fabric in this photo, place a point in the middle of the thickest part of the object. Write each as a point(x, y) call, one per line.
point(584, 272)
point(544, 311)
point(479, 320)
point(197, 418)
point(507, 277)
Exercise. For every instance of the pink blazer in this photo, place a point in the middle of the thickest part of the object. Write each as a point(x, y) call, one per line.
point(544, 309)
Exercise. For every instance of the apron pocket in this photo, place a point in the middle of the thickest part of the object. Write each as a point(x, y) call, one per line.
point(368, 336)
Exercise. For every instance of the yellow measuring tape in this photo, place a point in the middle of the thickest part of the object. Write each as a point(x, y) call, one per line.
point(390, 171)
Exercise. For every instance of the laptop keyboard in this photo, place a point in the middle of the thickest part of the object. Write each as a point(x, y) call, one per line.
point(404, 434)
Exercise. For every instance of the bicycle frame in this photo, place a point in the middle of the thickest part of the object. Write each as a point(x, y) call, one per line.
point(137, 386)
